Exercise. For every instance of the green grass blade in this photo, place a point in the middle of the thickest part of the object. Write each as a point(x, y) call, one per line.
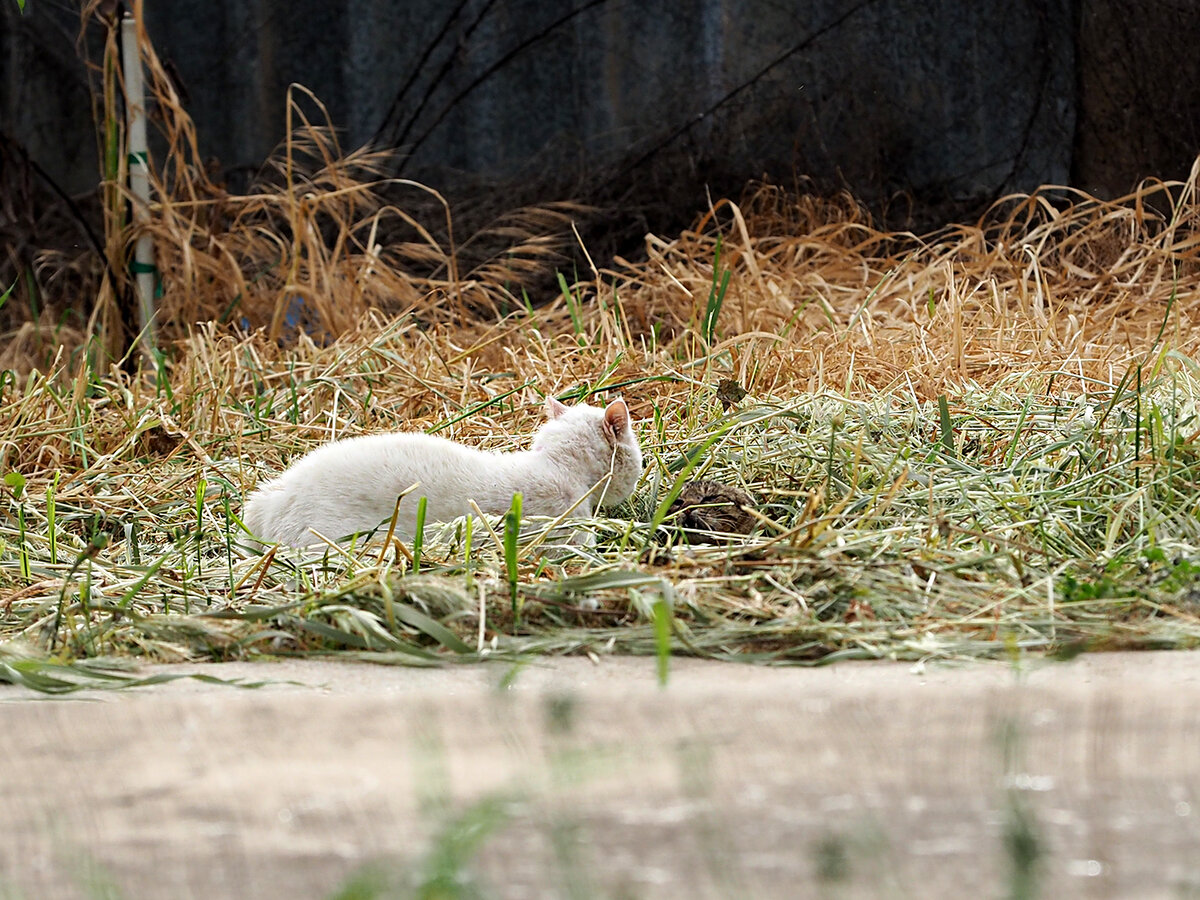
point(410, 615)
point(419, 535)
point(662, 639)
point(716, 296)
point(512, 531)
point(947, 429)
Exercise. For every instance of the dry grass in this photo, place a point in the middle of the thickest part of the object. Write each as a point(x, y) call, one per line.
point(961, 443)
point(1040, 284)
point(1054, 506)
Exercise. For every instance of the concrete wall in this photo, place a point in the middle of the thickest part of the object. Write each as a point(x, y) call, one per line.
point(946, 98)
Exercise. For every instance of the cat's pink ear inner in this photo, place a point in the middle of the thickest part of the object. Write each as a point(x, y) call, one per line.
point(554, 409)
point(616, 419)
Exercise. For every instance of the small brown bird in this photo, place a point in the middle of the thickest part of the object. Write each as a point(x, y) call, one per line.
point(711, 506)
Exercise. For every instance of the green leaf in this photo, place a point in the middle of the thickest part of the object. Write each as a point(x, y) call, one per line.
point(15, 481)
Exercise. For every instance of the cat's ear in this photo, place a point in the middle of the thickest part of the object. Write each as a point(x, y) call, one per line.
point(554, 409)
point(616, 420)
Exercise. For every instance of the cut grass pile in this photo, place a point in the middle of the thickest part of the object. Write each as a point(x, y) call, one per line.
point(953, 455)
point(961, 444)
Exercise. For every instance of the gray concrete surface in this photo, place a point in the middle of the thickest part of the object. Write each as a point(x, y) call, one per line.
point(858, 780)
point(879, 95)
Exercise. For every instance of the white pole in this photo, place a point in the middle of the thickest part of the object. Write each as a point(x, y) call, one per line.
point(139, 178)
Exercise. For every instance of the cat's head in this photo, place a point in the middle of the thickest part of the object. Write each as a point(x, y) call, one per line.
point(601, 439)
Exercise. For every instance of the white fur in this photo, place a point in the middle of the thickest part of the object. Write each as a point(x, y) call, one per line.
point(351, 485)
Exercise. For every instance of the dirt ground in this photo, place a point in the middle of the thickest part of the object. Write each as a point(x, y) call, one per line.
point(568, 778)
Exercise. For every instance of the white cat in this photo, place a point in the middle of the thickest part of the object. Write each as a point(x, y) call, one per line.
point(351, 485)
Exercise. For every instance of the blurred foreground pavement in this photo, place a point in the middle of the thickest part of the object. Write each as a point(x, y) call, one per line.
point(567, 778)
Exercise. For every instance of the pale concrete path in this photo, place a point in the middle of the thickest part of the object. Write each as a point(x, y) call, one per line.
point(857, 780)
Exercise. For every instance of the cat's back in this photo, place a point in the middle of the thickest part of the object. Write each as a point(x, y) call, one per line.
point(381, 455)
point(353, 483)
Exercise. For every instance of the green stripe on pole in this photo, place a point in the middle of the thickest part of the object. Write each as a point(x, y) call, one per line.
point(141, 156)
point(141, 268)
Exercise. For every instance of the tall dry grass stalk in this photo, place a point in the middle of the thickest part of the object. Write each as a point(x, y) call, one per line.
point(319, 238)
